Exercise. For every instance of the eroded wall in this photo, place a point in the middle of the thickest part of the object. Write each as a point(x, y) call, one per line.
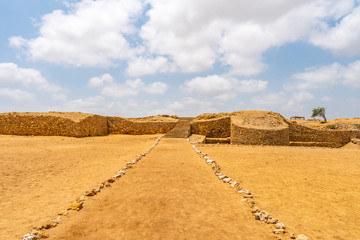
point(13, 124)
point(118, 125)
point(212, 128)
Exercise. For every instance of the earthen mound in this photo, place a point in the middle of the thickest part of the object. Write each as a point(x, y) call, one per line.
point(259, 120)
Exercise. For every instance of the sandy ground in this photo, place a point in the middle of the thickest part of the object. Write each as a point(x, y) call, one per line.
point(40, 176)
point(170, 194)
point(315, 191)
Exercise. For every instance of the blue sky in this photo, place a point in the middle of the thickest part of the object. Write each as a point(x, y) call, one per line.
point(135, 58)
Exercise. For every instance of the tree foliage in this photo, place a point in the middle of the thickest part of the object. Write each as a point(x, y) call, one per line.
point(319, 112)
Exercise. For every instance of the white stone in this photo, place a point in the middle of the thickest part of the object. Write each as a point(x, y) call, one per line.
point(209, 161)
point(29, 236)
point(278, 231)
point(302, 237)
point(222, 176)
point(280, 225)
point(226, 180)
point(234, 184)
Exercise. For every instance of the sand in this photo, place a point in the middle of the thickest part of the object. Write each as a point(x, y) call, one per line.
point(170, 194)
point(314, 191)
point(41, 175)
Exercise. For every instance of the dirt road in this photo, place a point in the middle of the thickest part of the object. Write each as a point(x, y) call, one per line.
point(170, 194)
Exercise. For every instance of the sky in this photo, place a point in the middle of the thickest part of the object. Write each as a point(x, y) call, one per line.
point(135, 58)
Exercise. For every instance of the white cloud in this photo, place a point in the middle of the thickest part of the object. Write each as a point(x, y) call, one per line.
point(156, 88)
point(249, 86)
point(221, 88)
point(189, 107)
point(110, 88)
point(194, 34)
point(10, 73)
point(100, 81)
point(351, 75)
point(325, 76)
point(188, 36)
point(16, 94)
point(282, 100)
point(343, 38)
point(90, 33)
point(144, 66)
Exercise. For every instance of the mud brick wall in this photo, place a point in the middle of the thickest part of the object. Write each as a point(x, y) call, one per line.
point(300, 133)
point(212, 128)
point(253, 136)
point(13, 124)
point(118, 125)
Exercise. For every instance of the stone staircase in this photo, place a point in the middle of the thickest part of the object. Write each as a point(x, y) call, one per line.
point(181, 129)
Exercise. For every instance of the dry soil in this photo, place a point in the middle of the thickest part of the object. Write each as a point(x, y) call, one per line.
point(315, 191)
point(170, 194)
point(40, 176)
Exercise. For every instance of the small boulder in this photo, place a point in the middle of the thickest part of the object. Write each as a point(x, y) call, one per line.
point(111, 180)
point(280, 225)
point(234, 184)
point(76, 206)
point(226, 180)
point(91, 193)
point(222, 176)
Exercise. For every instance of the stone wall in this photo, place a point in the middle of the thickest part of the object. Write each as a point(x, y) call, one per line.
point(118, 125)
point(43, 125)
point(254, 136)
point(300, 133)
point(212, 128)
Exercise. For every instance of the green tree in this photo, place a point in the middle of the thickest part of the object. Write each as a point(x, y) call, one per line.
point(319, 111)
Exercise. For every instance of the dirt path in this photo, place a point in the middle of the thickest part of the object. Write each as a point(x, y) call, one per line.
point(170, 194)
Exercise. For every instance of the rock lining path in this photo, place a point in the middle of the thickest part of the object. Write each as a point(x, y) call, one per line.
point(170, 194)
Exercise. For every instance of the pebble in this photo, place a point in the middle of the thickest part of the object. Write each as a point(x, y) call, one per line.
point(278, 231)
point(248, 196)
point(292, 235)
